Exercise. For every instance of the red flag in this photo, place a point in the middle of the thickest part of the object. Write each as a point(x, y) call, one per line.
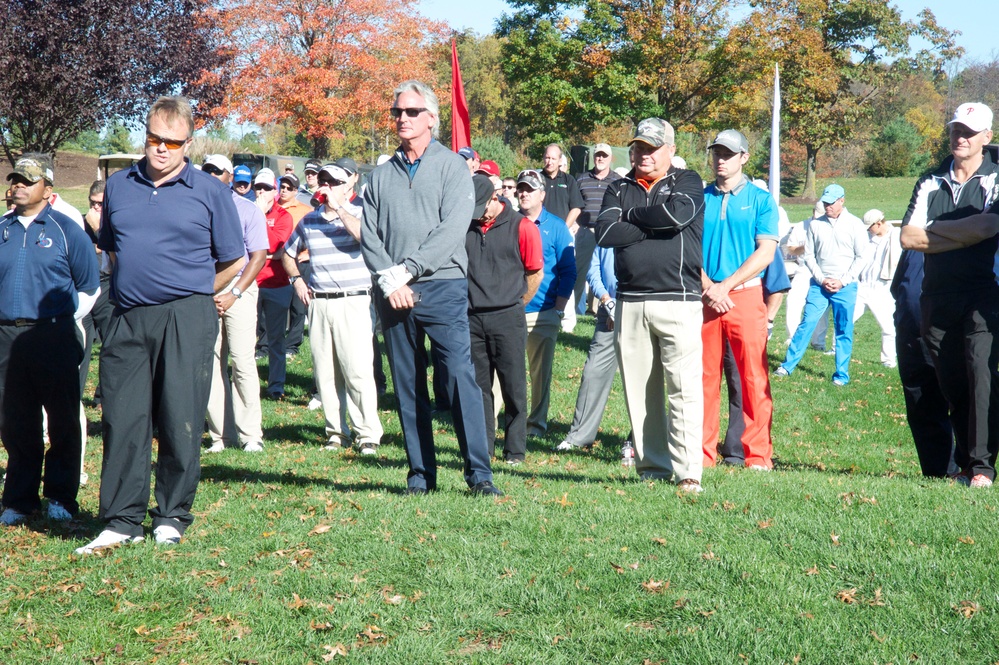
point(461, 131)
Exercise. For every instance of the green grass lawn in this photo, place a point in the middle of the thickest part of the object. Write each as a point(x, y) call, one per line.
point(843, 554)
point(889, 195)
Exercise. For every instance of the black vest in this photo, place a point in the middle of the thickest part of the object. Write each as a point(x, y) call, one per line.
point(496, 277)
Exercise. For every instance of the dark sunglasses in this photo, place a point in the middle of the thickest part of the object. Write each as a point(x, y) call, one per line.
point(263, 187)
point(96, 204)
point(323, 182)
point(410, 113)
point(157, 141)
point(212, 170)
point(287, 187)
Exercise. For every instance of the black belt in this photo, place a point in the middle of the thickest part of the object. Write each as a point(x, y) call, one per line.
point(342, 294)
point(21, 323)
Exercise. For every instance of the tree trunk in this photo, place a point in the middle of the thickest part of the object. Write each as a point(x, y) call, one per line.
point(808, 191)
point(320, 147)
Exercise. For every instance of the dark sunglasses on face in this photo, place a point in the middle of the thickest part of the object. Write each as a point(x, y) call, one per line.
point(212, 170)
point(288, 188)
point(323, 182)
point(262, 187)
point(410, 113)
point(96, 204)
point(171, 144)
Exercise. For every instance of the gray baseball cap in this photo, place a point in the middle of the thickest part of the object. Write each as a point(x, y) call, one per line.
point(732, 139)
point(654, 131)
point(531, 178)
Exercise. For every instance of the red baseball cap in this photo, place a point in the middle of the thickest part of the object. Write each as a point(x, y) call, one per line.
point(488, 167)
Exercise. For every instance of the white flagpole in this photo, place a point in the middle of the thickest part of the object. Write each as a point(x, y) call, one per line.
point(775, 140)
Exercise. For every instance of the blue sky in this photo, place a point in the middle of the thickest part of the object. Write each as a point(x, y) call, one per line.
point(968, 16)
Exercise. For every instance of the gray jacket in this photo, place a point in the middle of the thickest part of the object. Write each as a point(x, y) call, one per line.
point(419, 220)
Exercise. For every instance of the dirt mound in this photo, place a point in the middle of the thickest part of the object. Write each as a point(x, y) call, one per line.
point(73, 170)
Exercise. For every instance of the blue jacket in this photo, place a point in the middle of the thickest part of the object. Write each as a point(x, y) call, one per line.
point(560, 262)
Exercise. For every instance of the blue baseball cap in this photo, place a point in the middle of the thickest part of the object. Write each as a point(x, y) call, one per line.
point(242, 173)
point(832, 193)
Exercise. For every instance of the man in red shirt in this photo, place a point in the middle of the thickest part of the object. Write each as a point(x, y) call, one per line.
point(275, 290)
point(505, 267)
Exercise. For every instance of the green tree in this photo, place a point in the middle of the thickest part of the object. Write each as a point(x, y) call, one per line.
point(896, 151)
point(117, 138)
point(834, 57)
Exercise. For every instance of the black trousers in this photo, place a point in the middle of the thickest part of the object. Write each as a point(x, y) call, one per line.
point(961, 332)
point(39, 368)
point(732, 451)
point(298, 314)
point(95, 326)
point(156, 366)
point(926, 409)
point(499, 345)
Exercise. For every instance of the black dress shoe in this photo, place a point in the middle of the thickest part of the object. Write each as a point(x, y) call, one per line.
point(415, 491)
point(484, 488)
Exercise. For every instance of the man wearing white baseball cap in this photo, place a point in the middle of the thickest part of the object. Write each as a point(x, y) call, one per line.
point(875, 279)
point(959, 303)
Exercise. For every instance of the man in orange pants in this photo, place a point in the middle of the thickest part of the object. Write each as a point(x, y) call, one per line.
point(740, 237)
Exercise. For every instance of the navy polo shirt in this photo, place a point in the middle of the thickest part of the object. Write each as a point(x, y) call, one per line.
point(167, 239)
point(42, 267)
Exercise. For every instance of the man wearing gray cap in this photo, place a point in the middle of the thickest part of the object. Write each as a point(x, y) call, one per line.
point(960, 297)
point(740, 238)
point(836, 248)
point(654, 218)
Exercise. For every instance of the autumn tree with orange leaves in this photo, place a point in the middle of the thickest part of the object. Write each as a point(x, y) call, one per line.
point(326, 66)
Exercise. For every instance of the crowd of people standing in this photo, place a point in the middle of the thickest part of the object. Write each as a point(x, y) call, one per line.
point(199, 267)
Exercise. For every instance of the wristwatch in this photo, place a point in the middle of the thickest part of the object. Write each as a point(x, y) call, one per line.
point(236, 292)
point(560, 313)
point(294, 278)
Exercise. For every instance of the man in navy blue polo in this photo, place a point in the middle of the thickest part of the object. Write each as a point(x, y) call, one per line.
point(174, 239)
point(48, 274)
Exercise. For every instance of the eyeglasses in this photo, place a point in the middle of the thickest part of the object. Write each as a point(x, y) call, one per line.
point(509, 187)
point(410, 113)
point(263, 187)
point(171, 144)
point(96, 204)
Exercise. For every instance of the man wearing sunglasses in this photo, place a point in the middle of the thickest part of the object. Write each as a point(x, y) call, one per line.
point(275, 291)
point(338, 299)
point(174, 239)
point(417, 207)
point(234, 418)
point(48, 280)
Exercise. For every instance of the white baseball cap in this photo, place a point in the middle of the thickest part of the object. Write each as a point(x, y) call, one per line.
point(265, 177)
point(221, 162)
point(974, 115)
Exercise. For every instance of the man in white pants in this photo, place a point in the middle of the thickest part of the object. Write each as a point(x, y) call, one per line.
point(339, 299)
point(875, 281)
point(234, 417)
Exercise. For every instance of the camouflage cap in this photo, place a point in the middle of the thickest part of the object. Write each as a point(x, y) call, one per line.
point(33, 170)
point(531, 178)
point(654, 131)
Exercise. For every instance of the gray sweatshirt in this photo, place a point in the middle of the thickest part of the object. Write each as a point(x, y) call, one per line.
point(419, 221)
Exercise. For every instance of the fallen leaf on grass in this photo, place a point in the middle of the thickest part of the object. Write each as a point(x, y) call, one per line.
point(879, 638)
point(848, 596)
point(319, 627)
point(661, 541)
point(370, 635)
point(320, 528)
point(765, 524)
point(617, 569)
point(966, 608)
point(334, 651)
point(814, 570)
point(877, 600)
point(502, 613)
point(297, 603)
point(557, 639)
point(835, 539)
point(655, 586)
point(967, 540)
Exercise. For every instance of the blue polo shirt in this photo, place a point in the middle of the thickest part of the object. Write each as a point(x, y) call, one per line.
point(43, 266)
point(749, 215)
point(167, 239)
point(560, 262)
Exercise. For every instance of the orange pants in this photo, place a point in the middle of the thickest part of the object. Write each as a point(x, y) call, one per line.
point(745, 328)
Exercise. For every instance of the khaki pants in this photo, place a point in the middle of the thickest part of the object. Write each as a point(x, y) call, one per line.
point(343, 364)
point(234, 407)
point(542, 331)
point(659, 346)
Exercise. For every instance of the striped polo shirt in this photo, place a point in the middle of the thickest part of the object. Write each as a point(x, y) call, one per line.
point(336, 255)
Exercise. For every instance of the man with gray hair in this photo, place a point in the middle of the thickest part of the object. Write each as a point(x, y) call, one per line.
point(417, 208)
point(654, 218)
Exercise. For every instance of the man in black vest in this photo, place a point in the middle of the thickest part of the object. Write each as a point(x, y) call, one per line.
point(505, 265)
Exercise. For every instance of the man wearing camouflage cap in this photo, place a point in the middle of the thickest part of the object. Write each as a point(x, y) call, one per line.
point(653, 218)
point(48, 280)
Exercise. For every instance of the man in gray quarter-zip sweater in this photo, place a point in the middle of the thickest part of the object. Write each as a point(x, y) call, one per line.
point(417, 208)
